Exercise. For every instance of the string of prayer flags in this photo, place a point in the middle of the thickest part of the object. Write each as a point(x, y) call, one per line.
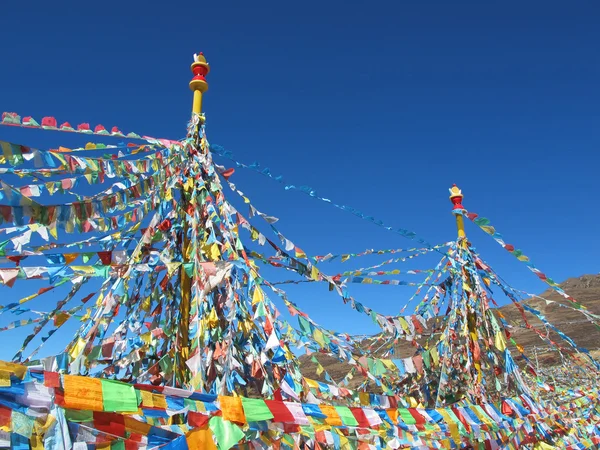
point(223, 422)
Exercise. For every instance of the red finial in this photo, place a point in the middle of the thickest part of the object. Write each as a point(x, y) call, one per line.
point(200, 69)
point(456, 197)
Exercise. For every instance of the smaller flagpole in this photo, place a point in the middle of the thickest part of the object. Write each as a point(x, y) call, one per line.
point(458, 210)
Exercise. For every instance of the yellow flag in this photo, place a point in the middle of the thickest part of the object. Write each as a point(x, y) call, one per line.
point(146, 399)
point(26, 299)
point(60, 158)
point(314, 273)
point(257, 296)
point(93, 164)
point(196, 381)
point(434, 355)
point(77, 348)
point(86, 270)
point(214, 252)
point(499, 341)
point(52, 230)
point(61, 318)
point(312, 383)
point(172, 267)
point(404, 324)
point(159, 401)
point(488, 229)
point(451, 424)
point(88, 314)
point(213, 319)
point(389, 364)
point(318, 335)
point(364, 398)
point(17, 369)
point(4, 378)
point(344, 442)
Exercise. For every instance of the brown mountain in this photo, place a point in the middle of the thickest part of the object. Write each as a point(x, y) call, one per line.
point(585, 289)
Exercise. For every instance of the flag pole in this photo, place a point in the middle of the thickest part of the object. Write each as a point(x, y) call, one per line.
point(199, 86)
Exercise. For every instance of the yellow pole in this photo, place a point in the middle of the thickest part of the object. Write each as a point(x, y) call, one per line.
point(199, 86)
point(460, 224)
point(197, 105)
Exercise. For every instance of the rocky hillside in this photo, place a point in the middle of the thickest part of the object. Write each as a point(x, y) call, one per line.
point(586, 289)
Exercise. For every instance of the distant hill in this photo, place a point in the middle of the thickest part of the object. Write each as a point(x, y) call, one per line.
point(585, 289)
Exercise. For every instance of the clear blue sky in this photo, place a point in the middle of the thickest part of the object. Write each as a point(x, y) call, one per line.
point(378, 105)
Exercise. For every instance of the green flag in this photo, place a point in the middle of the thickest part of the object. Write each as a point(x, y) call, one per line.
point(256, 409)
point(346, 415)
point(406, 416)
point(118, 396)
point(226, 433)
point(117, 444)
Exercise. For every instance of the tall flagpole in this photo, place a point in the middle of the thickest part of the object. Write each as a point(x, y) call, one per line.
point(199, 86)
